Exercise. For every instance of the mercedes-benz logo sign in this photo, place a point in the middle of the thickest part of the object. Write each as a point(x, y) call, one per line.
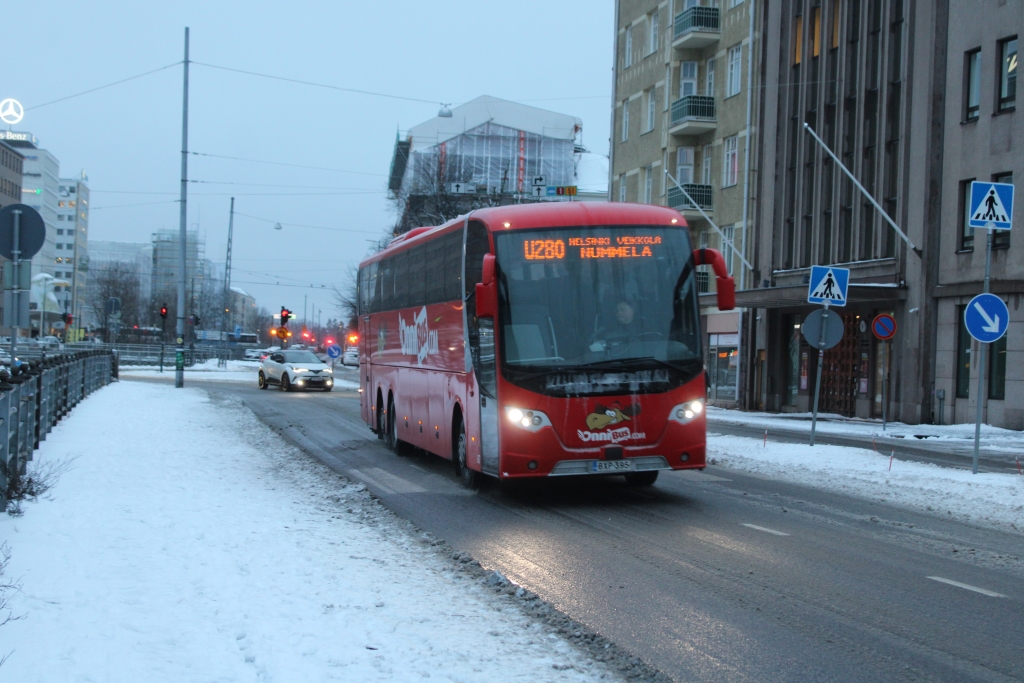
point(11, 111)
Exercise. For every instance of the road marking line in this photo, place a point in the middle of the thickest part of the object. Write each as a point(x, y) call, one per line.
point(767, 531)
point(983, 591)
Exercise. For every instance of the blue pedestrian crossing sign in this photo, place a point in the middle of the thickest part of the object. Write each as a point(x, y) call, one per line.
point(828, 285)
point(991, 206)
point(987, 318)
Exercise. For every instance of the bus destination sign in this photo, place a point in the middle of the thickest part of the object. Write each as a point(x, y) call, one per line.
point(625, 246)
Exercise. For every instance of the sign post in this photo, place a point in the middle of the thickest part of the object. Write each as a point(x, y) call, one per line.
point(333, 352)
point(884, 328)
point(824, 329)
point(986, 316)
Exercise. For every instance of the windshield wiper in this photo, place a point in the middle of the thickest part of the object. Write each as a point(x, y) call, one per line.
point(612, 363)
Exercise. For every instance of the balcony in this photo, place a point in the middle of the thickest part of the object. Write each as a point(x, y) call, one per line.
point(699, 193)
point(696, 27)
point(693, 115)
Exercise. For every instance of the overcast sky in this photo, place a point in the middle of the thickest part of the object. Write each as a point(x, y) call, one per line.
point(553, 54)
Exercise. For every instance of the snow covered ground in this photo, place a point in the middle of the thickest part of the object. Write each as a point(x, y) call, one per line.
point(187, 542)
point(993, 439)
point(995, 500)
point(234, 371)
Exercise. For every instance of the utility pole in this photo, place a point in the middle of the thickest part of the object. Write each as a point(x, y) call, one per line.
point(179, 359)
point(227, 271)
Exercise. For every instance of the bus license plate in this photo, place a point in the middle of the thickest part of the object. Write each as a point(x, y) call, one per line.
point(611, 466)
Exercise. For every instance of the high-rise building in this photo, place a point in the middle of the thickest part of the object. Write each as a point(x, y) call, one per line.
point(683, 111)
point(11, 161)
point(167, 267)
point(72, 239)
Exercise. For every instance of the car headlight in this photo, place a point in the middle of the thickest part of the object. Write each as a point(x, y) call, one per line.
point(685, 412)
point(530, 420)
point(328, 371)
point(300, 369)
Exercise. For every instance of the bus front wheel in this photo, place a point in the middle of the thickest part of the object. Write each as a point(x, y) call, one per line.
point(469, 478)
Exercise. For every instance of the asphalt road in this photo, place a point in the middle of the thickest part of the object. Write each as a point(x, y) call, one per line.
point(716, 576)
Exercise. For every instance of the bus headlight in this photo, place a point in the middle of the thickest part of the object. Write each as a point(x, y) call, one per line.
point(685, 412)
point(530, 420)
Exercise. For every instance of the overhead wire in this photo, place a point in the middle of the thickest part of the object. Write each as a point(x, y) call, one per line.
point(101, 87)
point(314, 227)
point(281, 163)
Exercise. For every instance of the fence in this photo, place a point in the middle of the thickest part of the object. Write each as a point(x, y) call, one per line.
point(35, 396)
point(149, 354)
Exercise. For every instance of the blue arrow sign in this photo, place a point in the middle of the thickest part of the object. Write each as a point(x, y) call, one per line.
point(238, 332)
point(334, 351)
point(991, 205)
point(986, 317)
point(828, 284)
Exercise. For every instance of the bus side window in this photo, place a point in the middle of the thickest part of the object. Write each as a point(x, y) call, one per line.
point(372, 290)
point(417, 287)
point(387, 284)
point(400, 271)
point(477, 245)
point(453, 266)
point(435, 271)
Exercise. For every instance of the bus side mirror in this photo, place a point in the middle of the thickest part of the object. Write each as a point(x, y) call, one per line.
point(725, 287)
point(487, 291)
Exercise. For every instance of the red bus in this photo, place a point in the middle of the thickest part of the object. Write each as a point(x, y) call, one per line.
point(540, 340)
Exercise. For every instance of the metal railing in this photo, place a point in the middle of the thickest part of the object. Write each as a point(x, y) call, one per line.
point(35, 395)
point(700, 193)
point(693, 108)
point(703, 19)
point(149, 354)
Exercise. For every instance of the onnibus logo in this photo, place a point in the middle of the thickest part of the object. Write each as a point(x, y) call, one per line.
point(417, 339)
point(600, 421)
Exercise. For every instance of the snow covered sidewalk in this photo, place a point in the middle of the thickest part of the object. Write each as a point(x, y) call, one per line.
point(994, 440)
point(995, 500)
point(187, 542)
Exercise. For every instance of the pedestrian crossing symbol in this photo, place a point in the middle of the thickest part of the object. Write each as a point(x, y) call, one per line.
point(828, 285)
point(991, 206)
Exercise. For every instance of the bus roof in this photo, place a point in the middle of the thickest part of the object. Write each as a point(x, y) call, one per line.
point(543, 215)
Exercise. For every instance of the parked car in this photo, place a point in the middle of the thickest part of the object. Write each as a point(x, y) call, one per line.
point(51, 343)
point(267, 351)
point(291, 369)
point(253, 354)
point(350, 357)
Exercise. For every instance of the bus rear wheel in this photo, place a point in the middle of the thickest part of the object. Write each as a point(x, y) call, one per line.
point(469, 478)
point(642, 478)
point(391, 427)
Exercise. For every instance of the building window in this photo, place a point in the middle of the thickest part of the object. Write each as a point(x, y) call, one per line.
point(622, 187)
point(684, 165)
point(687, 79)
point(734, 3)
point(835, 24)
point(709, 78)
point(668, 86)
point(60, 231)
point(963, 355)
point(966, 231)
point(1007, 73)
point(1001, 238)
point(731, 160)
point(653, 45)
point(648, 184)
point(625, 120)
point(728, 250)
point(732, 84)
point(997, 369)
point(816, 36)
point(706, 165)
point(628, 58)
point(651, 108)
point(798, 40)
point(60, 245)
point(973, 84)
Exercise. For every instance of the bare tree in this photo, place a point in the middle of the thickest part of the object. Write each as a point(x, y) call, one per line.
point(116, 280)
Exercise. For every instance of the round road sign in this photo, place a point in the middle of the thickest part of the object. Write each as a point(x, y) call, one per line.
point(812, 329)
point(32, 229)
point(334, 351)
point(986, 318)
point(884, 326)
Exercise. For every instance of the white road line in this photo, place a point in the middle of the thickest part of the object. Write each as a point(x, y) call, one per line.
point(983, 591)
point(767, 531)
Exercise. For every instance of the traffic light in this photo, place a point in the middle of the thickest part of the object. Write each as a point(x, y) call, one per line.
point(285, 316)
point(68, 318)
point(163, 311)
point(353, 338)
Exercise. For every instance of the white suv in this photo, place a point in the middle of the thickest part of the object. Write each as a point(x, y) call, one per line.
point(292, 369)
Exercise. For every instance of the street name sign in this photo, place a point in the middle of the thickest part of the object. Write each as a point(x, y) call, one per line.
point(884, 326)
point(991, 206)
point(986, 318)
point(828, 285)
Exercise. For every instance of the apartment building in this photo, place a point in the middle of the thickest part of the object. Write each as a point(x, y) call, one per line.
point(10, 175)
point(71, 262)
point(684, 87)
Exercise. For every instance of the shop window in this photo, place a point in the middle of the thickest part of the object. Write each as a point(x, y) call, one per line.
point(963, 355)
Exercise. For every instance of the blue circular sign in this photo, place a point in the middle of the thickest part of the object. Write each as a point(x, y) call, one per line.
point(884, 326)
point(334, 351)
point(987, 318)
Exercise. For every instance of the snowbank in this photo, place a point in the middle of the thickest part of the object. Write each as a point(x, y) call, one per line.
point(187, 542)
point(995, 500)
point(993, 439)
point(234, 371)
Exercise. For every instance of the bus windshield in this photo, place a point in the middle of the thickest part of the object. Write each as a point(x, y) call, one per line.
point(601, 298)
